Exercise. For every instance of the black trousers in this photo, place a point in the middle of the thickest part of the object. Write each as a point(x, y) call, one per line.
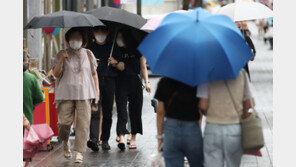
point(129, 89)
point(107, 91)
point(95, 126)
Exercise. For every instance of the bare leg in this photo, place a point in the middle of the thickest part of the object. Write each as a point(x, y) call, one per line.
point(121, 139)
point(133, 142)
point(121, 142)
point(101, 121)
point(129, 137)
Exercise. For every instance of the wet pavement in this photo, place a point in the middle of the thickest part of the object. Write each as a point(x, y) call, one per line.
point(262, 80)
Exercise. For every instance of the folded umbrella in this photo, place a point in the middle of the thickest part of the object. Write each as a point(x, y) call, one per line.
point(35, 139)
point(64, 19)
point(196, 47)
point(243, 10)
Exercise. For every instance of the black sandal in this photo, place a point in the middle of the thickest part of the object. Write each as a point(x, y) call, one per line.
point(121, 146)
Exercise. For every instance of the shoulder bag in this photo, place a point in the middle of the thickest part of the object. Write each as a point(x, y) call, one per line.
point(252, 131)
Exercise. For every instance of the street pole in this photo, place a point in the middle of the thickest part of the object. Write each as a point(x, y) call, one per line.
point(178, 3)
point(105, 3)
point(139, 7)
point(90, 4)
point(198, 3)
point(79, 6)
point(47, 42)
point(99, 2)
point(185, 4)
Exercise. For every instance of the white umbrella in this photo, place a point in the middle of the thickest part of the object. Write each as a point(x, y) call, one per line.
point(243, 10)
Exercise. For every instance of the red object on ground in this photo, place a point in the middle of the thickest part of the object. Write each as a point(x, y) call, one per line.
point(48, 30)
point(53, 115)
point(256, 153)
point(39, 114)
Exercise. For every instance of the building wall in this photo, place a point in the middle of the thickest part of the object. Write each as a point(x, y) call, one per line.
point(149, 11)
point(34, 36)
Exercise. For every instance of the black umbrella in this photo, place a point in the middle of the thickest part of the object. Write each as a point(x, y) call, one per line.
point(64, 19)
point(117, 19)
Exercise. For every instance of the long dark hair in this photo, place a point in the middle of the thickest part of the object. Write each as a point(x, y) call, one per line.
point(129, 40)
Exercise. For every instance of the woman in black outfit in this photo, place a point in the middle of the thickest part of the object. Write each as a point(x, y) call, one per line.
point(129, 87)
point(180, 133)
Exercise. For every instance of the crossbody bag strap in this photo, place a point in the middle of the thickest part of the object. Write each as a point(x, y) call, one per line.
point(232, 99)
point(89, 58)
point(251, 100)
point(62, 73)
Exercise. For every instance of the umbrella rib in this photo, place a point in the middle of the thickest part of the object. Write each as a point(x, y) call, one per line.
point(64, 20)
point(180, 31)
point(219, 45)
point(243, 40)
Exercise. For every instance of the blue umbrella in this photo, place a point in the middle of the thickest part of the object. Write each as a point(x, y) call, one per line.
point(196, 47)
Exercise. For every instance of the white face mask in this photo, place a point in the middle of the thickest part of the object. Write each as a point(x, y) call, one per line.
point(101, 38)
point(120, 42)
point(75, 44)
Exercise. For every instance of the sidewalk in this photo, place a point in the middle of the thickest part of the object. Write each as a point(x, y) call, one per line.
point(262, 80)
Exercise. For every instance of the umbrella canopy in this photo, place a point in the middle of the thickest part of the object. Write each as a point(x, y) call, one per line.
point(245, 10)
point(118, 17)
point(196, 47)
point(64, 19)
point(153, 23)
point(121, 19)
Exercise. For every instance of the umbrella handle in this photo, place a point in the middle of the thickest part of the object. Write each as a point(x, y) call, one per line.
point(113, 43)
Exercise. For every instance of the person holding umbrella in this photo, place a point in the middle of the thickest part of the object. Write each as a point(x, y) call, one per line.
point(129, 86)
point(223, 132)
point(77, 84)
point(101, 47)
point(116, 19)
point(205, 48)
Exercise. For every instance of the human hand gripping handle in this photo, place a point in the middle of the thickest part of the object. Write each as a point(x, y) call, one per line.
point(64, 55)
point(112, 61)
point(59, 67)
